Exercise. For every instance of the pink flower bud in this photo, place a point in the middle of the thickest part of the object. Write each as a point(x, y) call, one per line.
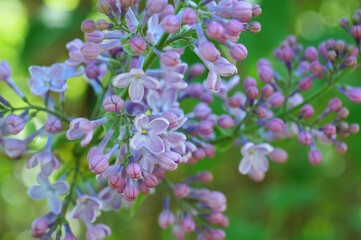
point(52, 125)
point(138, 45)
point(170, 58)
point(254, 27)
point(329, 130)
point(206, 127)
point(354, 94)
point(208, 51)
point(92, 71)
point(151, 181)
point(334, 104)
point(130, 193)
point(181, 190)
point(304, 138)
point(341, 147)
point(188, 224)
point(104, 6)
point(209, 150)
point(134, 171)
point(15, 124)
point(88, 26)
point(261, 112)
point(170, 24)
point(236, 101)
point(90, 50)
point(238, 52)
point(267, 91)
point(343, 113)
point(316, 67)
point(205, 176)
point(199, 154)
point(350, 61)
point(278, 155)
point(165, 219)
point(214, 30)
point(311, 54)
point(178, 232)
point(218, 234)
point(234, 28)
point(196, 70)
point(356, 31)
point(142, 187)
point(113, 104)
point(305, 84)
point(276, 99)
point(102, 25)
point(189, 16)
point(249, 82)
point(315, 157)
point(266, 74)
point(275, 125)
point(156, 6)
point(307, 111)
point(121, 188)
point(354, 128)
point(256, 10)
point(168, 10)
point(242, 11)
point(39, 227)
point(5, 71)
point(115, 181)
point(252, 93)
point(202, 111)
point(286, 54)
point(216, 200)
point(98, 164)
point(225, 121)
point(215, 217)
point(168, 160)
point(95, 36)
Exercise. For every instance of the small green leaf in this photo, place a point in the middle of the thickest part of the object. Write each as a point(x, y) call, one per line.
point(127, 49)
point(181, 43)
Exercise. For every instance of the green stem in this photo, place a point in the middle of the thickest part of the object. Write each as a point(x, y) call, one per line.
point(30, 106)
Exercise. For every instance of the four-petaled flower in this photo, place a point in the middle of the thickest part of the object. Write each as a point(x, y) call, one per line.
point(50, 191)
point(87, 208)
point(47, 161)
point(148, 133)
point(137, 80)
point(254, 157)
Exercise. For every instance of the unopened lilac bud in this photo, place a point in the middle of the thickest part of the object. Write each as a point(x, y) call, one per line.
point(171, 117)
point(88, 26)
point(113, 104)
point(39, 227)
point(242, 11)
point(316, 67)
point(343, 112)
point(178, 232)
point(275, 125)
point(209, 150)
point(278, 155)
point(334, 104)
point(151, 181)
point(215, 217)
point(354, 94)
point(304, 138)
point(170, 58)
point(206, 127)
point(120, 189)
point(207, 97)
point(236, 101)
point(130, 193)
point(307, 111)
point(256, 10)
point(188, 223)
point(267, 91)
point(199, 154)
point(350, 61)
point(214, 30)
point(98, 164)
point(52, 125)
point(168, 161)
point(104, 6)
point(15, 124)
point(238, 52)
point(254, 27)
point(225, 121)
point(165, 219)
point(92, 71)
point(305, 83)
point(311, 54)
point(354, 128)
point(344, 126)
point(205, 176)
point(252, 93)
point(261, 112)
point(315, 156)
point(341, 147)
point(286, 54)
point(115, 181)
point(276, 99)
point(181, 190)
point(143, 188)
point(156, 6)
point(138, 45)
point(168, 10)
point(102, 25)
point(208, 51)
point(202, 111)
point(189, 16)
point(249, 82)
point(5, 71)
point(95, 36)
point(90, 50)
point(344, 23)
point(196, 70)
point(218, 234)
point(134, 171)
point(234, 27)
point(216, 200)
point(356, 31)
point(170, 24)
point(329, 130)
point(266, 74)
point(126, 3)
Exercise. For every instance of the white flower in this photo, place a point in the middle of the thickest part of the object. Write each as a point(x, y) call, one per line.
point(254, 157)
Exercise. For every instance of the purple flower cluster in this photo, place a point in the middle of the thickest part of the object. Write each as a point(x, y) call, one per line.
point(139, 129)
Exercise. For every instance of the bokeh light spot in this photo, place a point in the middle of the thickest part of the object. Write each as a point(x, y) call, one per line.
point(310, 25)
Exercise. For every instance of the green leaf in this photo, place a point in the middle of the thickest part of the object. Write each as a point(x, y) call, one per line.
point(181, 43)
point(127, 49)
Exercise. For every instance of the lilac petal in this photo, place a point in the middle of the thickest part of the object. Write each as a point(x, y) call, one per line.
point(33, 161)
point(154, 143)
point(89, 214)
point(76, 133)
point(153, 99)
point(37, 72)
point(158, 126)
point(150, 83)
point(37, 192)
point(213, 82)
point(77, 211)
point(43, 180)
point(61, 187)
point(246, 147)
point(260, 163)
point(37, 87)
point(244, 166)
point(225, 70)
point(263, 148)
point(116, 202)
point(137, 141)
point(58, 86)
point(169, 97)
point(141, 121)
point(136, 90)
point(46, 168)
point(122, 80)
point(176, 138)
point(86, 138)
point(54, 203)
point(56, 71)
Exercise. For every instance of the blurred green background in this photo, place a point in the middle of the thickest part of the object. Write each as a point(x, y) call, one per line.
point(296, 201)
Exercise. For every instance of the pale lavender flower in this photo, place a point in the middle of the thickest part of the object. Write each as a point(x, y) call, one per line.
point(97, 231)
point(50, 191)
point(148, 133)
point(137, 80)
point(45, 79)
point(14, 148)
point(87, 208)
point(254, 156)
point(110, 199)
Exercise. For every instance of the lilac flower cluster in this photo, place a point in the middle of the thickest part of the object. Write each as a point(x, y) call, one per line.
point(138, 129)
